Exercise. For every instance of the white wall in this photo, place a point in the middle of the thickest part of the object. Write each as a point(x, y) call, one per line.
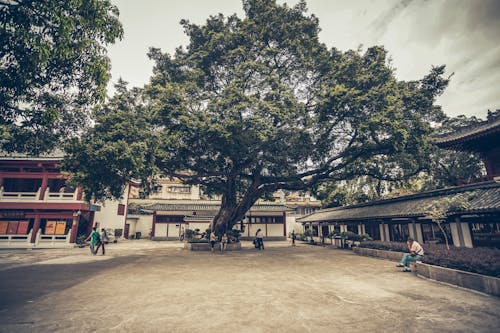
point(274, 230)
point(201, 226)
point(291, 224)
point(108, 216)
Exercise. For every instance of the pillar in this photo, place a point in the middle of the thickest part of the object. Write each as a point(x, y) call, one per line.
point(154, 224)
point(418, 234)
point(79, 193)
point(455, 234)
point(461, 233)
point(412, 231)
point(74, 228)
point(382, 232)
point(467, 234)
point(43, 188)
point(387, 234)
point(284, 224)
point(36, 227)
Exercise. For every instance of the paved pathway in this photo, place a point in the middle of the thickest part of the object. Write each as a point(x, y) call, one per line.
point(147, 286)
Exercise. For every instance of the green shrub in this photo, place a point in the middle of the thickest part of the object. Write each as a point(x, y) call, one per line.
point(479, 260)
point(189, 234)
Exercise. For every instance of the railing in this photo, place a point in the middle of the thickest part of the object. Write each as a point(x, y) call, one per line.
point(34, 196)
point(57, 196)
point(13, 240)
point(52, 240)
point(19, 196)
point(24, 241)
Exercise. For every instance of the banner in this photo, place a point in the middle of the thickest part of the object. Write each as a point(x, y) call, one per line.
point(50, 228)
point(12, 229)
point(22, 229)
point(61, 228)
point(3, 228)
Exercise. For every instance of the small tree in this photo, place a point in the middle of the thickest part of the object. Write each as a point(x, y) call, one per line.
point(441, 209)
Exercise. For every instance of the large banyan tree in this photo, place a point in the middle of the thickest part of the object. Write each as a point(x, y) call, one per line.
point(258, 104)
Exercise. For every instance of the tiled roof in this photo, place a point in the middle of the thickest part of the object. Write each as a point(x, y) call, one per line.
point(483, 197)
point(53, 155)
point(200, 205)
point(467, 133)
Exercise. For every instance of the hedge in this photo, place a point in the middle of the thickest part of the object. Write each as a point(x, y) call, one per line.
point(479, 260)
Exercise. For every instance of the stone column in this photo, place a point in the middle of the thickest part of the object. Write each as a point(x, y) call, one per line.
point(466, 230)
point(420, 237)
point(382, 232)
point(456, 234)
point(387, 234)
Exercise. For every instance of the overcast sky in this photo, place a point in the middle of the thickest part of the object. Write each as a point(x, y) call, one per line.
point(462, 34)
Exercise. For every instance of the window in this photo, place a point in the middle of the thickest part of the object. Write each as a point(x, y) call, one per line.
point(179, 189)
point(121, 209)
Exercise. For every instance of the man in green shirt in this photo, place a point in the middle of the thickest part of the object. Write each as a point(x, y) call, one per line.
point(94, 240)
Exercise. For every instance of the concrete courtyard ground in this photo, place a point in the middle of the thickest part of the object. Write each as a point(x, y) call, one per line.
point(143, 286)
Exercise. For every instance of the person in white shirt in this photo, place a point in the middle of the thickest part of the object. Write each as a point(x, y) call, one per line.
point(416, 254)
point(260, 239)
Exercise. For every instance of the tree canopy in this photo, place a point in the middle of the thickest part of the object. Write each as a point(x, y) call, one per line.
point(53, 68)
point(258, 104)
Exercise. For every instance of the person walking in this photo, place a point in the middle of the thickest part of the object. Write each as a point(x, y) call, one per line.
point(416, 254)
point(293, 237)
point(223, 243)
point(212, 241)
point(103, 238)
point(259, 236)
point(94, 239)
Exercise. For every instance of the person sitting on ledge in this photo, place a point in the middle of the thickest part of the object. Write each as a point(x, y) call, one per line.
point(416, 254)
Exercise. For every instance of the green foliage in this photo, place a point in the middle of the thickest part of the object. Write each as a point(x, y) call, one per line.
point(54, 67)
point(258, 104)
point(189, 234)
point(118, 148)
point(349, 235)
point(234, 235)
point(448, 167)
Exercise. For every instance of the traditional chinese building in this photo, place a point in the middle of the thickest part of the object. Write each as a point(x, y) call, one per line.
point(475, 223)
point(39, 209)
point(176, 207)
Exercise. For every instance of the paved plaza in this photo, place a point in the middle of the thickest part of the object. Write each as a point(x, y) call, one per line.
point(143, 286)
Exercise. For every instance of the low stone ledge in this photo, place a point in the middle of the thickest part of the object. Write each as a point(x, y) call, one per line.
point(206, 246)
point(390, 255)
point(483, 283)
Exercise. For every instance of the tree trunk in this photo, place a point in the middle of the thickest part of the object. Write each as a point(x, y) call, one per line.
point(232, 210)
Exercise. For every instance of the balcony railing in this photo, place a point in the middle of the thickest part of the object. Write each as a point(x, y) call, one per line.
point(19, 196)
point(58, 196)
point(34, 196)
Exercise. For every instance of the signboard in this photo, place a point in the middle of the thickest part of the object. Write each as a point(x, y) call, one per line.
point(50, 228)
point(13, 214)
point(22, 229)
point(12, 229)
point(61, 228)
point(3, 228)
